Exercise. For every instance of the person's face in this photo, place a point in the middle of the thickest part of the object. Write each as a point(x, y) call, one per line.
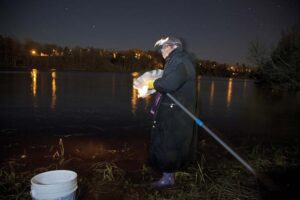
point(166, 50)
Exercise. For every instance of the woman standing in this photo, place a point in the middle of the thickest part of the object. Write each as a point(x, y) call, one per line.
point(171, 147)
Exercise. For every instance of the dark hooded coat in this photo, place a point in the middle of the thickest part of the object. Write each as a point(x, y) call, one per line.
point(172, 137)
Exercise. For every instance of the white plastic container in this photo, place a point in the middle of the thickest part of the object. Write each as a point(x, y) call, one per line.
point(54, 185)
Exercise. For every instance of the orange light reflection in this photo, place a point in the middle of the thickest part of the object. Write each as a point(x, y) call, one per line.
point(212, 92)
point(134, 98)
point(34, 74)
point(53, 100)
point(229, 92)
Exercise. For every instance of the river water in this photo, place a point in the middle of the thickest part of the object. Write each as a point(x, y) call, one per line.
point(90, 103)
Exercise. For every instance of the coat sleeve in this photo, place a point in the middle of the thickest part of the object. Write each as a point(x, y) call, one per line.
point(172, 80)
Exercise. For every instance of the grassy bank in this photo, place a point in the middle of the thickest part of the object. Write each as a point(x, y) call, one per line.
point(215, 175)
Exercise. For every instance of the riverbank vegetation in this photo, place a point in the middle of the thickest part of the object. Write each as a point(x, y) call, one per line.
point(278, 69)
point(205, 179)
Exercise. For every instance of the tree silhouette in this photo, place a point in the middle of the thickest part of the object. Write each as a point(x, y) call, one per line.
point(280, 70)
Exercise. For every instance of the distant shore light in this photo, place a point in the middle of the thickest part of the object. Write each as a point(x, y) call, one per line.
point(134, 74)
point(33, 52)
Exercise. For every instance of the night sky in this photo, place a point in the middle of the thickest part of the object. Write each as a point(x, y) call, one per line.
point(218, 30)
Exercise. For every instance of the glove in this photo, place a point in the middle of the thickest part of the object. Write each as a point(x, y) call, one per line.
point(150, 84)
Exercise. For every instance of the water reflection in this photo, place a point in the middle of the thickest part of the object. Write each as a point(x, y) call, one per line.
point(134, 98)
point(229, 93)
point(34, 76)
point(53, 99)
point(34, 73)
point(212, 93)
point(34, 86)
point(76, 100)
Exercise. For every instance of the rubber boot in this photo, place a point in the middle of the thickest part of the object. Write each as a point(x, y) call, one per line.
point(166, 180)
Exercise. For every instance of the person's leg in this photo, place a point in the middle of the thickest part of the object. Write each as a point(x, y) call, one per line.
point(166, 180)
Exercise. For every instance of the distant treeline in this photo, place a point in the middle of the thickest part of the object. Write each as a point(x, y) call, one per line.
point(27, 54)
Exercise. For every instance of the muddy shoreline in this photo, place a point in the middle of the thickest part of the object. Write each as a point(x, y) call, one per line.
point(127, 156)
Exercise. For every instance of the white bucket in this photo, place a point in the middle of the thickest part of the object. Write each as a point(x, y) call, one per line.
point(54, 185)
